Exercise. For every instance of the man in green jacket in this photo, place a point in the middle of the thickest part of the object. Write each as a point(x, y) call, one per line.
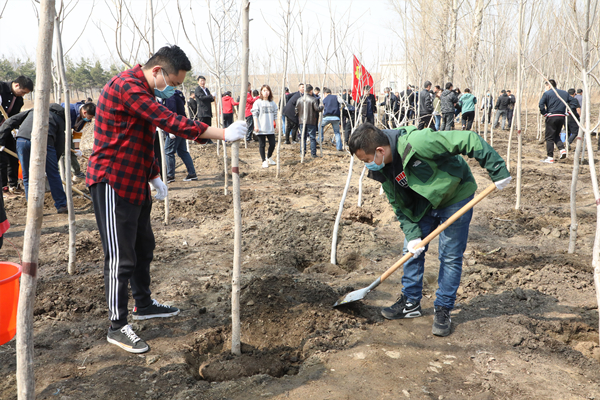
point(426, 181)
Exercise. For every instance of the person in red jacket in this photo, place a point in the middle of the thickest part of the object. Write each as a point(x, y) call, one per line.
point(228, 104)
point(249, 120)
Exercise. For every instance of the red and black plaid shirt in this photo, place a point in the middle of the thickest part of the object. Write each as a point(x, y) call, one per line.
point(126, 119)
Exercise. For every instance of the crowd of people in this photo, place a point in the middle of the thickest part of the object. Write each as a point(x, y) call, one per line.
point(423, 174)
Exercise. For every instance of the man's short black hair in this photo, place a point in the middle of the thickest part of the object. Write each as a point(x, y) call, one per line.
point(426, 84)
point(571, 92)
point(327, 90)
point(449, 85)
point(202, 77)
point(503, 91)
point(255, 93)
point(24, 83)
point(171, 58)
point(438, 87)
point(367, 137)
point(89, 108)
point(308, 87)
point(552, 82)
point(317, 89)
point(579, 91)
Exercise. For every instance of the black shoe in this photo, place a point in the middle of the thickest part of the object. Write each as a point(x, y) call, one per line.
point(154, 310)
point(126, 339)
point(170, 179)
point(62, 210)
point(402, 308)
point(288, 142)
point(190, 177)
point(441, 321)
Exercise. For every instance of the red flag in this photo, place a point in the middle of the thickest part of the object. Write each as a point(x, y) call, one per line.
point(362, 78)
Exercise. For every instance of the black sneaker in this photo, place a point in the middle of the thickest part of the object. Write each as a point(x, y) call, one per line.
point(190, 177)
point(402, 308)
point(170, 179)
point(126, 339)
point(62, 210)
point(441, 321)
point(154, 310)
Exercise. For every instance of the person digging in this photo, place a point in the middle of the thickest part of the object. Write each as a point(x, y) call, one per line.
point(426, 181)
point(120, 173)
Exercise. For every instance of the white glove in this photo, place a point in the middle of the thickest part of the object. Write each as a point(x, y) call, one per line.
point(172, 136)
point(501, 184)
point(411, 247)
point(161, 189)
point(78, 152)
point(235, 131)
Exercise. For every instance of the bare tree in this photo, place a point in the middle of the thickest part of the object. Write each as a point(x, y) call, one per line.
point(35, 204)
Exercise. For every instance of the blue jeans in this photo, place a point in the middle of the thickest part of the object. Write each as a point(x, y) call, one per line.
point(56, 187)
point(178, 145)
point(311, 130)
point(282, 123)
point(335, 123)
point(452, 245)
point(438, 121)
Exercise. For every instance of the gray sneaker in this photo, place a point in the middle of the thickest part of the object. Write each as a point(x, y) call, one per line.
point(126, 339)
point(442, 324)
point(154, 310)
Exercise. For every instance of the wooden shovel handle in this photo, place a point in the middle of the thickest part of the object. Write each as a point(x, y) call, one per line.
point(439, 229)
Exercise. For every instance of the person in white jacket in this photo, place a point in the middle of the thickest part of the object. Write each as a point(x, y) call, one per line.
point(264, 114)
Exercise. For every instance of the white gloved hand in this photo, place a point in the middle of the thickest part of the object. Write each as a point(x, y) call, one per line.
point(411, 247)
point(172, 136)
point(78, 152)
point(161, 189)
point(502, 183)
point(235, 131)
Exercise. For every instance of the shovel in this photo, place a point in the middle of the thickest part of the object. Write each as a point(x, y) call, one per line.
point(361, 293)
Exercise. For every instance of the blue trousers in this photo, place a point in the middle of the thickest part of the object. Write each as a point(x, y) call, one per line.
point(52, 173)
point(311, 130)
point(452, 245)
point(178, 145)
point(335, 123)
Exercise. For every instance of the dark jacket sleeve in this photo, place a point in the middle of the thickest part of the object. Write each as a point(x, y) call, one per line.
point(13, 122)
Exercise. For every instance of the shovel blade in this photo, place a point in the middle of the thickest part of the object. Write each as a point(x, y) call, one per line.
point(357, 294)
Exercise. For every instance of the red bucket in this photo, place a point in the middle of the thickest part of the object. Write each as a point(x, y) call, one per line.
point(9, 298)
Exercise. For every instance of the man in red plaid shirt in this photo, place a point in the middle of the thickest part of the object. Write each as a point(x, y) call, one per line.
point(120, 173)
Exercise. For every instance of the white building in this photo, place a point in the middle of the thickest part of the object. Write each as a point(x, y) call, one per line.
point(394, 74)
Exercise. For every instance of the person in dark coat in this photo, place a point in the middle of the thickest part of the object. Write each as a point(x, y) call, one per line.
point(501, 109)
point(426, 107)
point(11, 98)
point(552, 106)
point(390, 104)
point(448, 101)
point(192, 106)
point(291, 126)
point(175, 144)
point(204, 100)
point(574, 112)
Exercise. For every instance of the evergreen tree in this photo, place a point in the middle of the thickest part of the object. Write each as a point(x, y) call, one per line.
point(7, 72)
point(27, 69)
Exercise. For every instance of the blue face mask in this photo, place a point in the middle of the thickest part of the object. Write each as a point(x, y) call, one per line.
point(166, 92)
point(86, 119)
point(373, 166)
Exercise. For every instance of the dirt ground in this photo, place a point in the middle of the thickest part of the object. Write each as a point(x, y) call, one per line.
point(525, 324)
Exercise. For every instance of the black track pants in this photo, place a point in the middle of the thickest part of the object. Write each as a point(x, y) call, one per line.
point(128, 244)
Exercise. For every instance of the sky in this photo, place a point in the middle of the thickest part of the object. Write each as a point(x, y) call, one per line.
point(371, 20)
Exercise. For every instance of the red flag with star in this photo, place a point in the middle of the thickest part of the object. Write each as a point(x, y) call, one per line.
point(362, 78)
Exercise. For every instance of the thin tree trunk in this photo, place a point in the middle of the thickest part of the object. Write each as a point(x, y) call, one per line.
point(338, 218)
point(35, 204)
point(360, 185)
point(225, 172)
point(518, 106)
point(67, 155)
point(236, 346)
point(282, 99)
